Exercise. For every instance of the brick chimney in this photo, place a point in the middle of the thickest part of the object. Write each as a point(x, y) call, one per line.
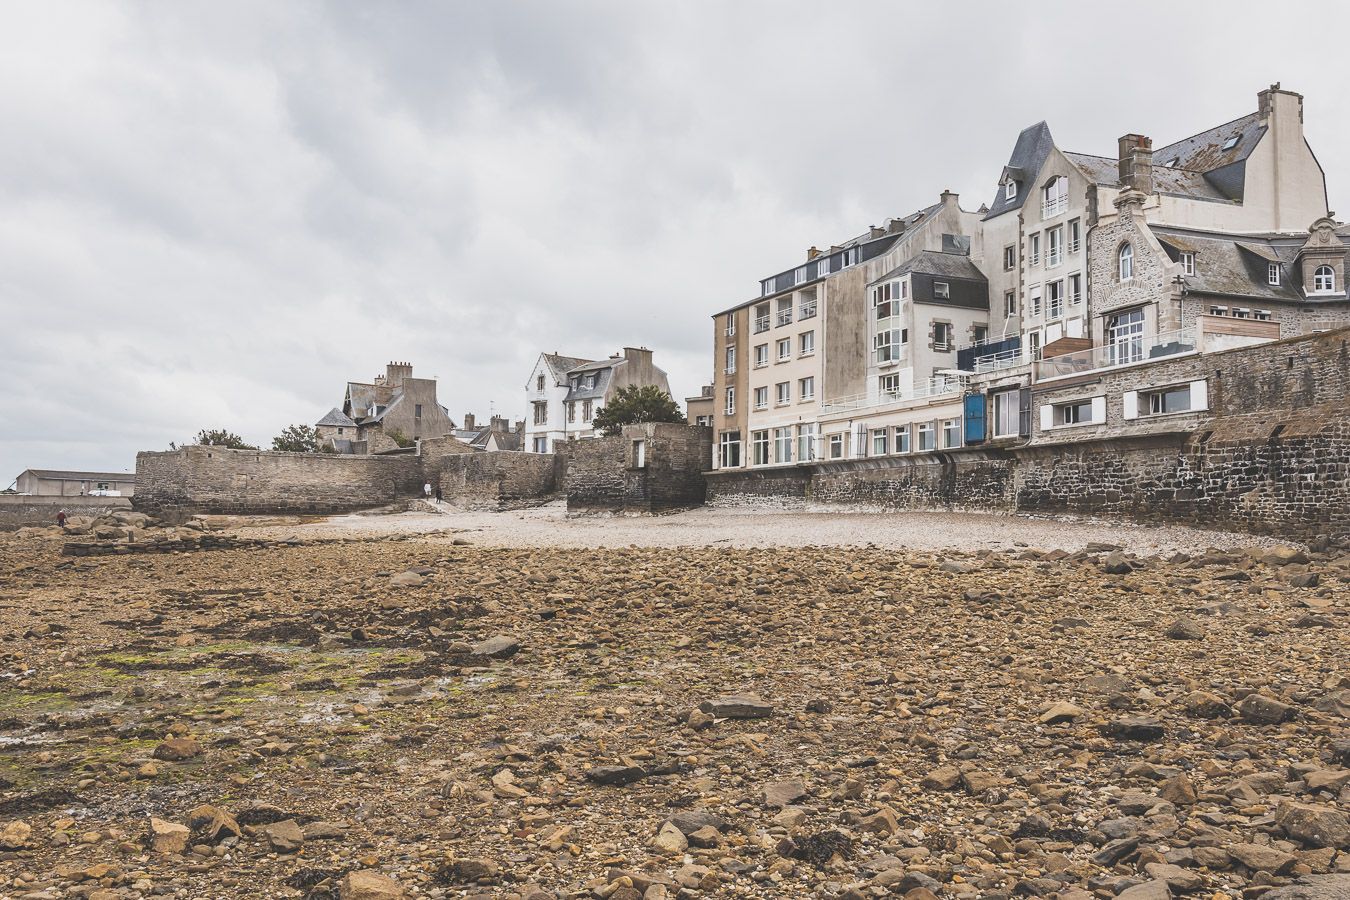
point(520, 426)
point(812, 253)
point(468, 421)
point(876, 232)
point(498, 424)
point(396, 372)
point(1136, 163)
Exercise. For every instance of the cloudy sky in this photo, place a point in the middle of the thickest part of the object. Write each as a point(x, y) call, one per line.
point(213, 215)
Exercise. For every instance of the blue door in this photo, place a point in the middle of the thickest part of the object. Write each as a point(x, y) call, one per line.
point(974, 409)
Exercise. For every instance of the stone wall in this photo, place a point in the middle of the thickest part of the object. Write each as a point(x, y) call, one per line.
point(497, 479)
point(605, 474)
point(20, 510)
point(254, 482)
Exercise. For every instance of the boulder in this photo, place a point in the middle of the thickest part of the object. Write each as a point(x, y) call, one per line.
point(368, 885)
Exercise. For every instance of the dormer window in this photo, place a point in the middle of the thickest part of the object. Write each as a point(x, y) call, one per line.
point(1273, 274)
point(1324, 280)
point(942, 290)
point(1188, 263)
point(1126, 262)
point(1174, 162)
point(1010, 190)
point(1231, 142)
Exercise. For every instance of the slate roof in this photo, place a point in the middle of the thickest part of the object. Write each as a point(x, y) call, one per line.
point(338, 418)
point(559, 365)
point(1204, 152)
point(1029, 154)
point(361, 395)
point(1106, 171)
point(79, 476)
point(1235, 266)
point(943, 265)
point(506, 440)
point(603, 368)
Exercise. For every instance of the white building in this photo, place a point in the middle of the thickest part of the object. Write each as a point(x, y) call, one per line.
point(565, 393)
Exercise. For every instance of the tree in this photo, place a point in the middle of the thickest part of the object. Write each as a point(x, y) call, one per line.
point(633, 405)
point(219, 437)
point(297, 439)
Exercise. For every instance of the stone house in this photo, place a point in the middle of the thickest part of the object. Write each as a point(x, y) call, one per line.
point(376, 416)
point(564, 393)
point(63, 483)
point(699, 408)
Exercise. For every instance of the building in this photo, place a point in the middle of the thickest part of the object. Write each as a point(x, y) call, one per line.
point(61, 483)
point(392, 410)
point(498, 434)
point(699, 409)
point(564, 393)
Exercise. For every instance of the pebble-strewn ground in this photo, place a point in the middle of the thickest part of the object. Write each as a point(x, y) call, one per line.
point(412, 717)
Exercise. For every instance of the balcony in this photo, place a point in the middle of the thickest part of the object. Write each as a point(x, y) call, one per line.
point(1053, 207)
point(997, 362)
point(784, 317)
point(807, 310)
point(1123, 352)
point(951, 386)
point(761, 324)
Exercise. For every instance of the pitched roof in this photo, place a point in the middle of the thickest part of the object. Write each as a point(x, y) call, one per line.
point(80, 476)
point(1204, 152)
point(1235, 265)
point(558, 365)
point(605, 371)
point(336, 417)
point(944, 265)
point(1106, 171)
point(1029, 154)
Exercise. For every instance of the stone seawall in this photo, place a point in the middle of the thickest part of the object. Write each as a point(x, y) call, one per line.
point(498, 479)
point(255, 482)
point(19, 511)
point(612, 474)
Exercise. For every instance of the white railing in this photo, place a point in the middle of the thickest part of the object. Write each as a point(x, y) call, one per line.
point(1054, 207)
point(1053, 257)
point(995, 362)
point(729, 331)
point(761, 324)
point(808, 311)
point(1126, 352)
point(785, 317)
point(933, 387)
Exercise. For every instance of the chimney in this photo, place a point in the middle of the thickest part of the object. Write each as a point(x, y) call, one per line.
point(950, 198)
point(1136, 163)
point(639, 356)
point(812, 253)
point(396, 372)
point(498, 424)
point(468, 421)
point(520, 426)
point(876, 232)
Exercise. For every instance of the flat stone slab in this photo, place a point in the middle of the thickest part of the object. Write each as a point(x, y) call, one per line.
point(739, 706)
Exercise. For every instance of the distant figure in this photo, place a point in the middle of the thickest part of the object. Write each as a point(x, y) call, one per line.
point(438, 493)
point(61, 519)
point(426, 490)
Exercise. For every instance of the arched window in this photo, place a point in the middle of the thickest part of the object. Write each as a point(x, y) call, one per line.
point(1126, 262)
point(1055, 197)
point(1324, 280)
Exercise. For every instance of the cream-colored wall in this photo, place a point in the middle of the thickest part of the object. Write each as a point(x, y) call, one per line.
point(796, 367)
point(1073, 322)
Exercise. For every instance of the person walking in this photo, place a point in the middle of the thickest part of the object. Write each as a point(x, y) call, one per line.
point(61, 519)
point(438, 495)
point(426, 490)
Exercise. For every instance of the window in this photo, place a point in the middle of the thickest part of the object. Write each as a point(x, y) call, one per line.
point(1171, 400)
point(879, 442)
point(1009, 258)
point(540, 412)
point(1075, 289)
point(761, 355)
point(1034, 249)
point(886, 298)
point(761, 398)
point(1218, 310)
point(572, 411)
point(703, 420)
point(782, 445)
point(1078, 412)
point(1178, 398)
point(1054, 299)
point(731, 449)
point(1188, 263)
point(587, 412)
point(731, 401)
point(806, 388)
point(784, 311)
point(927, 436)
point(341, 430)
point(1231, 142)
point(1007, 414)
point(951, 433)
point(836, 446)
point(417, 410)
point(731, 360)
point(541, 444)
point(1262, 314)
point(730, 329)
point(1273, 273)
point(1075, 235)
point(1324, 280)
point(1010, 190)
point(808, 309)
point(1035, 301)
point(942, 336)
point(901, 444)
point(639, 454)
point(942, 290)
point(1241, 312)
point(783, 392)
point(806, 343)
point(806, 443)
point(1125, 336)
point(1034, 344)
point(761, 318)
point(759, 448)
point(1010, 303)
point(784, 349)
point(1054, 246)
point(1055, 197)
point(799, 276)
point(766, 287)
point(1125, 260)
point(888, 386)
point(888, 343)
point(539, 383)
point(822, 267)
point(979, 334)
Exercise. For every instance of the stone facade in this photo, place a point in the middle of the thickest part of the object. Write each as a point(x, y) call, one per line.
point(612, 474)
point(19, 511)
point(499, 479)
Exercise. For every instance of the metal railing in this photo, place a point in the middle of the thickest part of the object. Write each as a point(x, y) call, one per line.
point(1054, 207)
point(785, 317)
point(729, 331)
point(996, 362)
point(761, 324)
point(933, 387)
point(807, 311)
point(1122, 352)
